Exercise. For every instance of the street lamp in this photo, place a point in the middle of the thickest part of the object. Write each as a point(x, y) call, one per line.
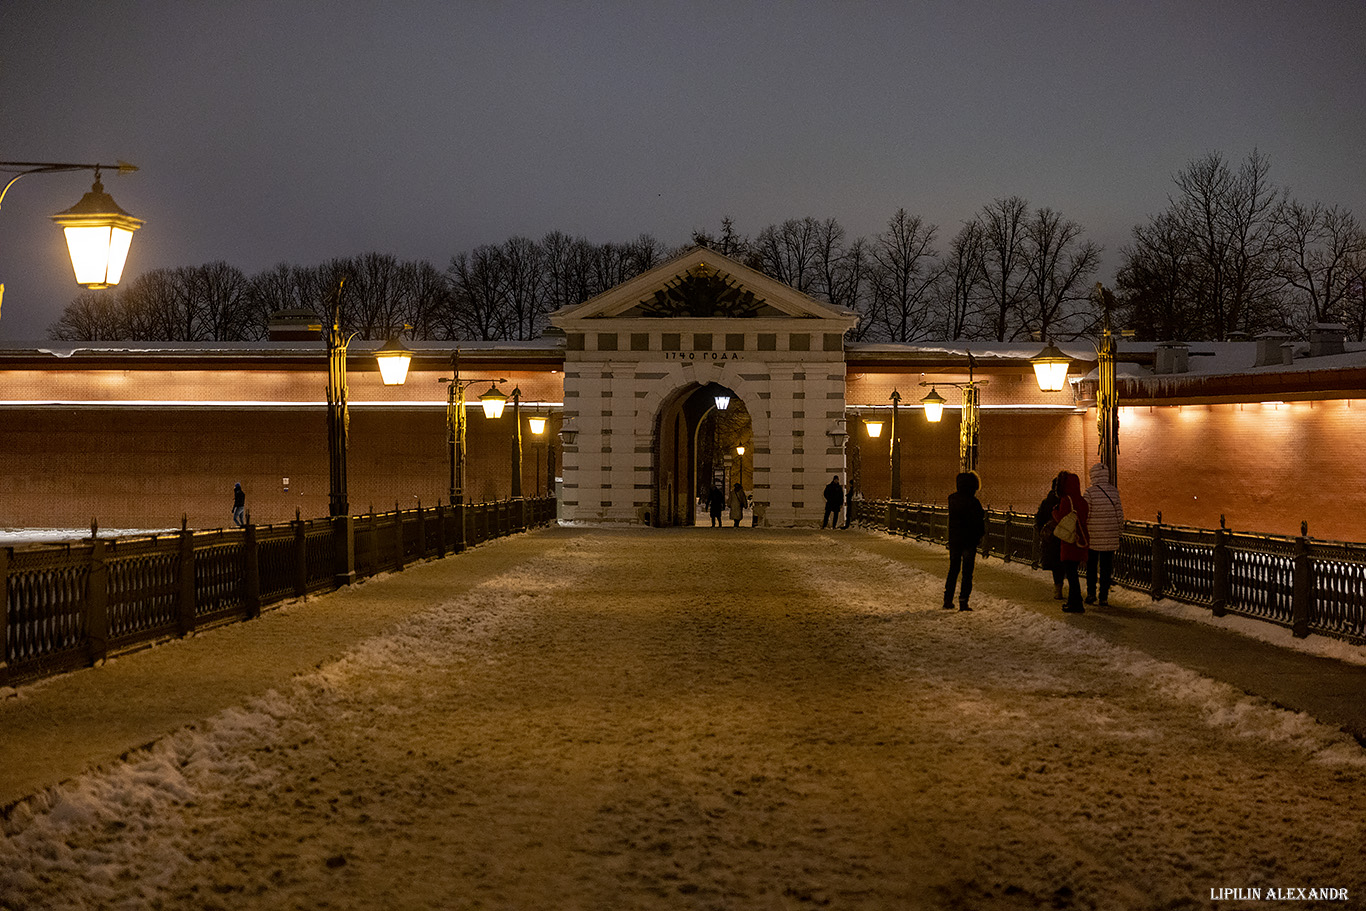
point(537, 424)
point(393, 359)
point(722, 402)
point(338, 413)
point(98, 232)
point(969, 427)
point(933, 403)
point(492, 402)
point(1050, 368)
point(1107, 390)
point(874, 428)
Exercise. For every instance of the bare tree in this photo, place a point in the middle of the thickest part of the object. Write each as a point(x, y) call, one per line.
point(1004, 264)
point(478, 304)
point(1229, 217)
point(92, 316)
point(1319, 251)
point(790, 252)
point(904, 271)
point(965, 280)
point(1059, 266)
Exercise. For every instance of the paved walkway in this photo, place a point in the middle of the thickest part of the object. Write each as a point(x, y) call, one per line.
point(55, 729)
point(684, 718)
point(1332, 691)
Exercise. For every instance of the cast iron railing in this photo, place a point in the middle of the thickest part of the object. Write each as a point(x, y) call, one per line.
point(64, 606)
point(1303, 584)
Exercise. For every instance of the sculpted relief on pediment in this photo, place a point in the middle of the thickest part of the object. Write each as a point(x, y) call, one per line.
point(702, 292)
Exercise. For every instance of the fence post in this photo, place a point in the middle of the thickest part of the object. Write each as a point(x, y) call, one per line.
point(97, 603)
point(440, 529)
point(1302, 597)
point(251, 584)
point(185, 614)
point(398, 538)
point(1159, 580)
point(4, 614)
point(1223, 564)
point(300, 557)
point(344, 550)
point(460, 537)
point(421, 532)
point(1005, 537)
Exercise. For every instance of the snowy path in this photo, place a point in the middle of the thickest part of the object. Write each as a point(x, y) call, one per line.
point(732, 719)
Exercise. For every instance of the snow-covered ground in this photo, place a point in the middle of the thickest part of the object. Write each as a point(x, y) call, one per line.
point(731, 718)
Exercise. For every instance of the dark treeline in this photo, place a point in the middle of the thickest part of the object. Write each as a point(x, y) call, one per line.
point(1231, 253)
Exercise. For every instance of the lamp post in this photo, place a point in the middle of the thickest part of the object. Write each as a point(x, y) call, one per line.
point(393, 360)
point(896, 447)
point(516, 443)
point(492, 403)
point(970, 425)
point(1050, 369)
point(98, 232)
point(338, 417)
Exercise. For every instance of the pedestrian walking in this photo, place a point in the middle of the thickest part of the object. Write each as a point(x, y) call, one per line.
point(967, 525)
point(1070, 517)
point(834, 500)
point(716, 505)
point(738, 502)
point(1105, 524)
point(1048, 544)
point(239, 505)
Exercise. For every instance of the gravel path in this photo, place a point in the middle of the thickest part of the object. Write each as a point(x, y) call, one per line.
point(731, 719)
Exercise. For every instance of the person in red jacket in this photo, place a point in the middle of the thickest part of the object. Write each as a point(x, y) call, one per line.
point(1073, 553)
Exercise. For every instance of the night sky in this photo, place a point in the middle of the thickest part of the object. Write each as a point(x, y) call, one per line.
point(295, 132)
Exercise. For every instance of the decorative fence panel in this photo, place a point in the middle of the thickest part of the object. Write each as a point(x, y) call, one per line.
point(1306, 585)
point(63, 606)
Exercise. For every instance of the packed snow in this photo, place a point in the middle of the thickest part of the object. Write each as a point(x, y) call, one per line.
point(710, 718)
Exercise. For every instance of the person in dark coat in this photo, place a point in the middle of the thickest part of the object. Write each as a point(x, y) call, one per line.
point(834, 499)
point(1073, 553)
point(1048, 545)
point(967, 525)
point(239, 505)
point(716, 505)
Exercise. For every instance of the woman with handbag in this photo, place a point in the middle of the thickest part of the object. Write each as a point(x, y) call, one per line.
point(1070, 529)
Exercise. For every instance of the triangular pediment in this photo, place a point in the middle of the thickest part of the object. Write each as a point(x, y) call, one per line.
point(701, 284)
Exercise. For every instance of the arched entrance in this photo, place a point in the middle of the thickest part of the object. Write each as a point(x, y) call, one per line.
point(697, 444)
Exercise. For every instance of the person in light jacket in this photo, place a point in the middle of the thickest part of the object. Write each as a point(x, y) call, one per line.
point(1104, 525)
point(1073, 553)
point(738, 502)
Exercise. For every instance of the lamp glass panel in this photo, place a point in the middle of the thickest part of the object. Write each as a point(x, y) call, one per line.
point(874, 428)
point(493, 402)
point(90, 250)
point(536, 423)
point(722, 402)
point(934, 411)
point(393, 367)
point(1051, 376)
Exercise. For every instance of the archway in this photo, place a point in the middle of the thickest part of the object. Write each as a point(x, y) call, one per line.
point(696, 445)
